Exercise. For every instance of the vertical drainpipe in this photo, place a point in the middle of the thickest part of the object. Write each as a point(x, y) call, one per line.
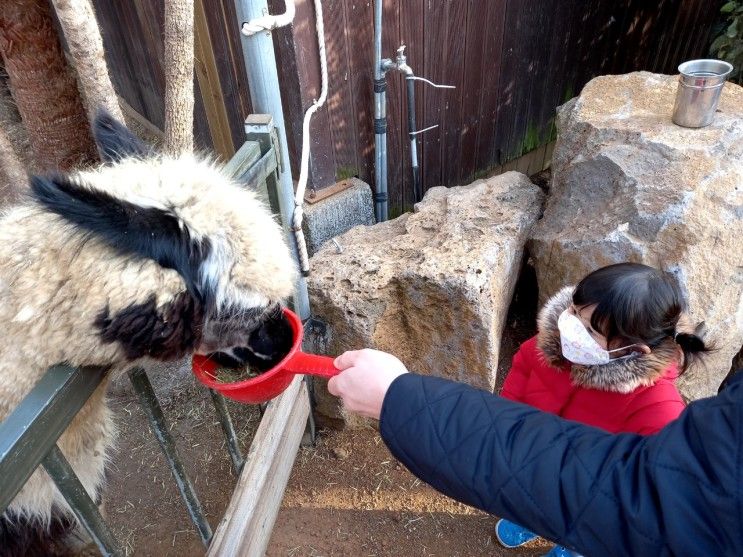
point(380, 119)
point(265, 96)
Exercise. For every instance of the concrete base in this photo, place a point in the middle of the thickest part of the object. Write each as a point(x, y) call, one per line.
point(337, 214)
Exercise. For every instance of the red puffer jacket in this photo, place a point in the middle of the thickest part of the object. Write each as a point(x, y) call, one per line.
point(636, 395)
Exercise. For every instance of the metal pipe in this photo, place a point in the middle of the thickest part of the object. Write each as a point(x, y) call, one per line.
point(151, 406)
point(380, 119)
point(265, 96)
point(412, 137)
point(230, 436)
point(402, 65)
point(85, 510)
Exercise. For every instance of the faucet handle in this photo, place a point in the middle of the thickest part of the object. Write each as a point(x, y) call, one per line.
point(401, 54)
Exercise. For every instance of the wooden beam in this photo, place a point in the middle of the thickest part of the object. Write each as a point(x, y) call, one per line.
point(131, 114)
point(205, 66)
point(246, 527)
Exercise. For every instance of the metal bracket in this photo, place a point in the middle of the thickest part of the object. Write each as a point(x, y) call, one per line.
point(431, 83)
point(260, 127)
point(424, 130)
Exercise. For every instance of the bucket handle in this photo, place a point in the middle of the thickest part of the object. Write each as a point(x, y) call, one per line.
point(312, 364)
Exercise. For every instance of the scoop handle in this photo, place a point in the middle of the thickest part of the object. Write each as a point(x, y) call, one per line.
point(312, 364)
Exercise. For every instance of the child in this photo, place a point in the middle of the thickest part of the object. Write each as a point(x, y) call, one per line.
point(606, 354)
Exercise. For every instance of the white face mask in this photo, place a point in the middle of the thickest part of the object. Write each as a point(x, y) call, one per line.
point(578, 346)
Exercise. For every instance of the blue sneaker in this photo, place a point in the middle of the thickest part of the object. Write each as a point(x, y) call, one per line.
point(560, 551)
point(512, 535)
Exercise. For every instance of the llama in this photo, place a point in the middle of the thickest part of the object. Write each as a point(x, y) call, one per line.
point(147, 257)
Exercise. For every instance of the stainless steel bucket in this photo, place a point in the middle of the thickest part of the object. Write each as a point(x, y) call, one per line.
point(699, 89)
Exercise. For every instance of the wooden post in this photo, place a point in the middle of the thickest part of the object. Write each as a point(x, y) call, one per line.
point(299, 69)
point(207, 74)
point(246, 527)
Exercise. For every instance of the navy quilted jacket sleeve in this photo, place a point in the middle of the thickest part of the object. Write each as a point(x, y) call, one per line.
point(679, 492)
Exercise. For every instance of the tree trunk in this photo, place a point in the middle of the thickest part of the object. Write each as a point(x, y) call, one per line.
point(43, 87)
point(84, 41)
point(179, 71)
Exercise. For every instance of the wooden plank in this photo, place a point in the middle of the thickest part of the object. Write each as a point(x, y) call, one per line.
point(436, 58)
point(523, 162)
point(360, 15)
point(340, 94)
point(322, 162)
point(548, 151)
point(536, 160)
point(517, 56)
point(476, 69)
point(411, 35)
point(537, 122)
point(205, 67)
point(289, 81)
point(133, 115)
point(117, 56)
point(453, 99)
point(245, 529)
point(142, 22)
point(596, 46)
point(248, 154)
point(557, 88)
point(226, 45)
point(487, 153)
point(695, 38)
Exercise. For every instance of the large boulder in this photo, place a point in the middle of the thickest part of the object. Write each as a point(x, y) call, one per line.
point(432, 287)
point(629, 185)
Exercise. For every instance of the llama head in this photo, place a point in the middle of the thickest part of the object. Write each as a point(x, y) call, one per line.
point(178, 217)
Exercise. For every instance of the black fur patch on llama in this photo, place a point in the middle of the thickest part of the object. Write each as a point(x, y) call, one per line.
point(164, 333)
point(27, 537)
point(148, 232)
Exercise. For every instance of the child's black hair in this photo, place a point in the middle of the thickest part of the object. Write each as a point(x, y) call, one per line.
point(640, 304)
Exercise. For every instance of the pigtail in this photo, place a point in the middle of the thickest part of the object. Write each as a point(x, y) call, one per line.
point(693, 345)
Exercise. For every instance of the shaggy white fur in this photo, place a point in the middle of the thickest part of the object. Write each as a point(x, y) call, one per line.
point(207, 263)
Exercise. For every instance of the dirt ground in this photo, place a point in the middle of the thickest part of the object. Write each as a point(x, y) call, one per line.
point(346, 495)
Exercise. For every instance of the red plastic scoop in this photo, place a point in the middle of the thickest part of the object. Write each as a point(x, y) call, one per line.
point(273, 382)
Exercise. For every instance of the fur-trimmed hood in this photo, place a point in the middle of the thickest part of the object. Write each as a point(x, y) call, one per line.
point(621, 375)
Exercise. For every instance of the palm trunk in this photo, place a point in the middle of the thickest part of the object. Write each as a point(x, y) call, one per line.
point(43, 87)
point(85, 44)
point(179, 71)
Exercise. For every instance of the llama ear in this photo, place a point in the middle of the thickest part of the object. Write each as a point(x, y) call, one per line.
point(133, 230)
point(115, 142)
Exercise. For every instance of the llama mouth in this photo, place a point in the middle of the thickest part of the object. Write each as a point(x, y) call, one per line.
point(234, 328)
point(265, 346)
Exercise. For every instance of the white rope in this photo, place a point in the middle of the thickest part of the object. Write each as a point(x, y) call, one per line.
point(304, 166)
point(269, 22)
